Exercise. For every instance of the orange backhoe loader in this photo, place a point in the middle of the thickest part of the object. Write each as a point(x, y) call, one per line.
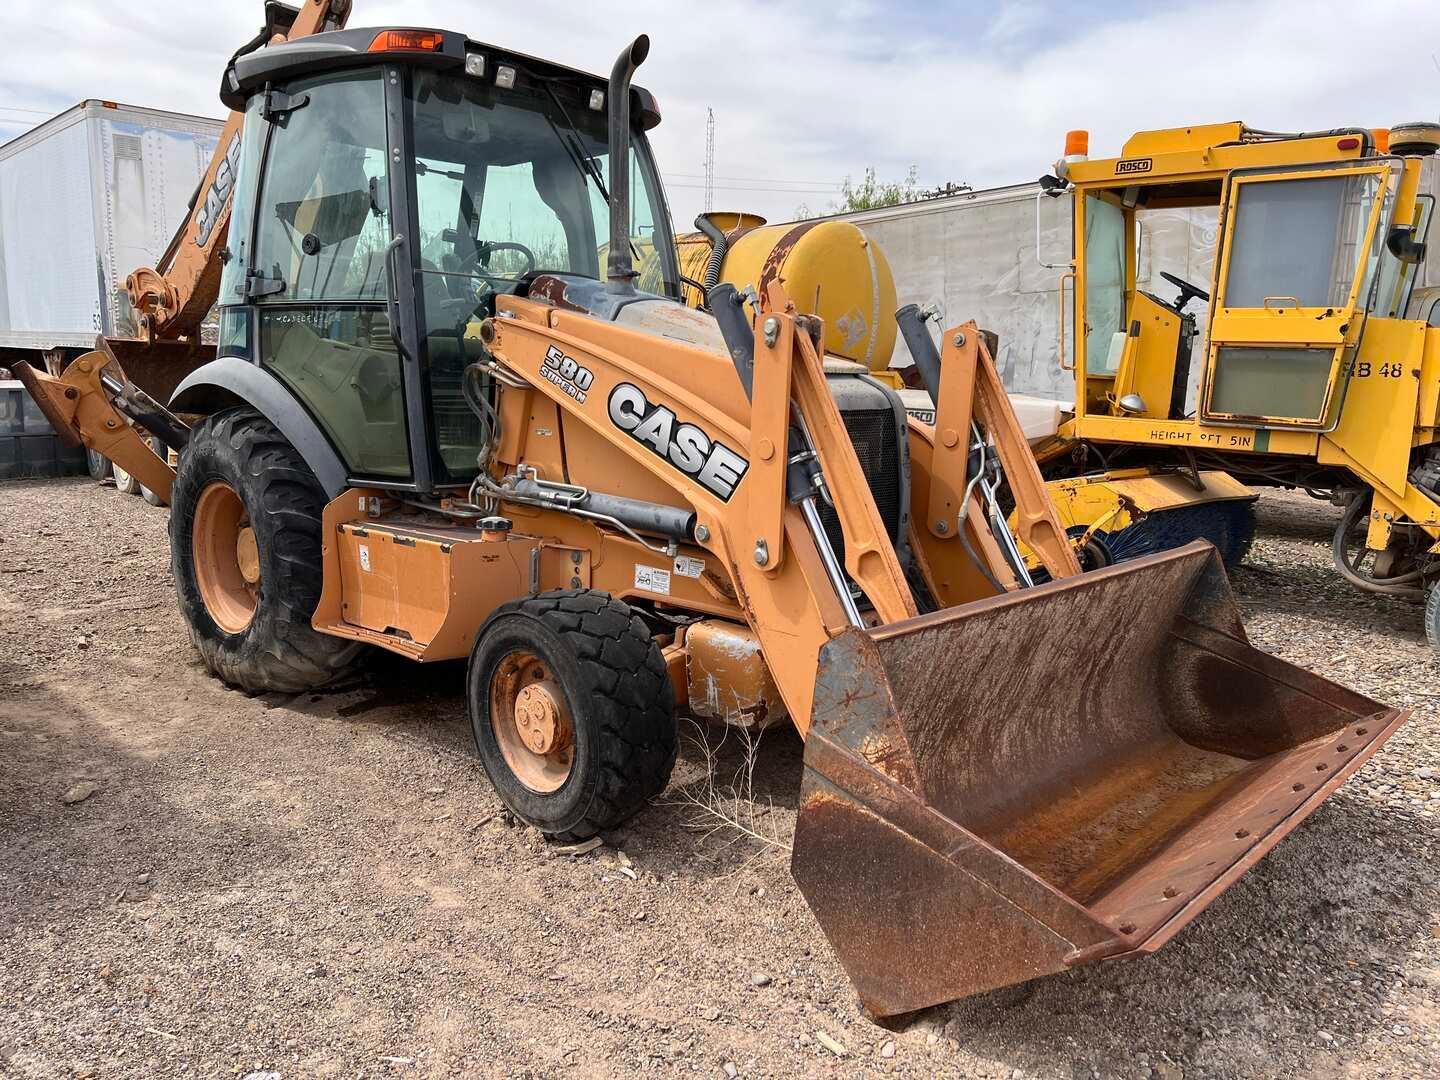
point(444, 422)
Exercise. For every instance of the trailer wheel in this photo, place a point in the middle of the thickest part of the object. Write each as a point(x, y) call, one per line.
point(245, 540)
point(1432, 616)
point(124, 482)
point(97, 465)
point(572, 710)
point(145, 493)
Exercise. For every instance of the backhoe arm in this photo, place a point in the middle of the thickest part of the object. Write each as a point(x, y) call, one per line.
point(93, 405)
point(173, 298)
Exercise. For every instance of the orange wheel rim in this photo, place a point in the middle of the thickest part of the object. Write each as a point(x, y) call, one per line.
point(226, 558)
point(532, 722)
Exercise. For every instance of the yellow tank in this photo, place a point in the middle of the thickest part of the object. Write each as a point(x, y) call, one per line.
point(829, 268)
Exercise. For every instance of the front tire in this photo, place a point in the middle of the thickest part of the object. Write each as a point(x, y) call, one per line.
point(572, 711)
point(245, 541)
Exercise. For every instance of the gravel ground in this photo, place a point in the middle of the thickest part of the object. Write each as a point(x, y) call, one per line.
point(198, 883)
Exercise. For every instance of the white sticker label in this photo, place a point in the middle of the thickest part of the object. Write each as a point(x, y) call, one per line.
point(364, 558)
point(652, 579)
point(362, 504)
point(685, 566)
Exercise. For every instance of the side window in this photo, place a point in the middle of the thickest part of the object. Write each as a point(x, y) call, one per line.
point(322, 227)
point(1104, 282)
point(1434, 318)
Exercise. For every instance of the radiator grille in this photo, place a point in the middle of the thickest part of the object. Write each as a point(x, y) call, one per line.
point(876, 441)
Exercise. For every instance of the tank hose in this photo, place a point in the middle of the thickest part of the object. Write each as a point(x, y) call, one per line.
point(1408, 584)
point(719, 245)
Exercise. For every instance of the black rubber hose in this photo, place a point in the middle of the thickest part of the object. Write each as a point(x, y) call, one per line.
point(719, 246)
point(1400, 585)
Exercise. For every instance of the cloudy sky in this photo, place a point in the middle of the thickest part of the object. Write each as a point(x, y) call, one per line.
point(807, 92)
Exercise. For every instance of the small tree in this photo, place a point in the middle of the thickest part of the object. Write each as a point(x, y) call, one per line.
point(871, 192)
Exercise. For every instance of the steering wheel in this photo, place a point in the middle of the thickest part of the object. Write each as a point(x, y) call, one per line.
point(486, 248)
point(1188, 292)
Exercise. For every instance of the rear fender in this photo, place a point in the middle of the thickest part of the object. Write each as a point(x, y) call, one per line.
point(230, 381)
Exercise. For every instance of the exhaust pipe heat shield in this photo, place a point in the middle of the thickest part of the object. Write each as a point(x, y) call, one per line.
point(1054, 776)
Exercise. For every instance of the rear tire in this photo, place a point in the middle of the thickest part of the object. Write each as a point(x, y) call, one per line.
point(239, 474)
point(595, 666)
point(97, 465)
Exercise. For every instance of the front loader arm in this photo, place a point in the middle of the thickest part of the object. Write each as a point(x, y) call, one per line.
point(173, 298)
point(973, 416)
point(789, 603)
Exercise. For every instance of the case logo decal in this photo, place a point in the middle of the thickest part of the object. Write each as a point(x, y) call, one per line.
point(218, 194)
point(710, 462)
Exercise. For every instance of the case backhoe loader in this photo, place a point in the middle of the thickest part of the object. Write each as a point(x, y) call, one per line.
point(1300, 359)
point(438, 425)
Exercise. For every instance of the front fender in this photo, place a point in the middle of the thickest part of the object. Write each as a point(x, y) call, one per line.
point(231, 381)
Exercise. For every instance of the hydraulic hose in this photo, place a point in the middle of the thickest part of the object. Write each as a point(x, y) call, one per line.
point(1400, 585)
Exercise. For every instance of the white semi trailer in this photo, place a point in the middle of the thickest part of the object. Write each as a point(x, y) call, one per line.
point(85, 198)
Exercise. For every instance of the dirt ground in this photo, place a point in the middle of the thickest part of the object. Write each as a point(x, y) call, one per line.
point(326, 885)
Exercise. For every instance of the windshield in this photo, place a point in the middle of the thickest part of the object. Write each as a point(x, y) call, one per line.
point(1300, 240)
point(510, 182)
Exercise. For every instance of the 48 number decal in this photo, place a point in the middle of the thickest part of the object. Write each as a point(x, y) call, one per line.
point(1363, 369)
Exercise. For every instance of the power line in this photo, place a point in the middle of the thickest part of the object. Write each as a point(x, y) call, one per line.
point(756, 179)
point(709, 160)
point(735, 187)
point(20, 109)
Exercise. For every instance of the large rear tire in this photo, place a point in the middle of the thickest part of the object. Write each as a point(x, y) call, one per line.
point(245, 548)
point(572, 710)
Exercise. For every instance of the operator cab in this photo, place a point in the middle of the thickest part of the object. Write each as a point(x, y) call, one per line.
point(1312, 236)
point(389, 185)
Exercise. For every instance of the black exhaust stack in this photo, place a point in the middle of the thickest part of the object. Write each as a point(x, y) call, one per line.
point(620, 269)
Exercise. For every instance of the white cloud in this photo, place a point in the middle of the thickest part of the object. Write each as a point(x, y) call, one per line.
point(812, 92)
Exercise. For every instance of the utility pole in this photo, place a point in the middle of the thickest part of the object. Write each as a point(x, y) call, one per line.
point(949, 188)
point(710, 160)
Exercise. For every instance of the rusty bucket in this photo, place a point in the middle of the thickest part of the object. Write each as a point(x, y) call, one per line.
point(1050, 777)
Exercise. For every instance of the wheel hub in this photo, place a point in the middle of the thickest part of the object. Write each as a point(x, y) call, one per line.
point(247, 555)
point(226, 558)
point(532, 722)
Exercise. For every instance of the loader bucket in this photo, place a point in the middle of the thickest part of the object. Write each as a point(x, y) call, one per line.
point(1054, 776)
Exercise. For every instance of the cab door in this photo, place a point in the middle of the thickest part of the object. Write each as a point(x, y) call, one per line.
point(1297, 260)
point(311, 267)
